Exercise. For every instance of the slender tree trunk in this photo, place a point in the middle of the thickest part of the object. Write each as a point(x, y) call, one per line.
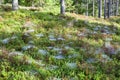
point(109, 7)
point(14, 4)
point(117, 8)
point(93, 7)
point(87, 8)
point(99, 8)
point(62, 6)
point(112, 7)
point(105, 6)
point(0, 2)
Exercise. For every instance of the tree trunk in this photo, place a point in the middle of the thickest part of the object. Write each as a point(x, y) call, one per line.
point(109, 7)
point(99, 8)
point(112, 7)
point(93, 8)
point(62, 6)
point(14, 4)
point(117, 8)
point(105, 6)
point(87, 8)
point(0, 2)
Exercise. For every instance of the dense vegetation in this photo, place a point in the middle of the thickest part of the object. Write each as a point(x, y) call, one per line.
point(45, 45)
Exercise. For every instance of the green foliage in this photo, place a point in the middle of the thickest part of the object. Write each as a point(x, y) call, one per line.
point(80, 59)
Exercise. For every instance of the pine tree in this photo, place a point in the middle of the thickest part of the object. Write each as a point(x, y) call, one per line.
point(62, 6)
point(14, 4)
point(99, 8)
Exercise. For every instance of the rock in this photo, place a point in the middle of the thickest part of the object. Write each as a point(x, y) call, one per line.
point(67, 47)
point(52, 38)
point(82, 34)
point(43, 52)
point(31, 42)
point(28, 47)
point(50, 47)
point(91, 60)
point(73, 55)
point(16, 53)
point(13, 37)
point(29, 31)
point(60, 39)
point(6, 41)
point(96, 28)
point(57, 49)
point(71, 65)
point(59, 57)
point(52, 67)
point(39, 35)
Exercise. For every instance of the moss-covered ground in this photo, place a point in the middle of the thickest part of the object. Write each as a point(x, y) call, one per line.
point(41, 45)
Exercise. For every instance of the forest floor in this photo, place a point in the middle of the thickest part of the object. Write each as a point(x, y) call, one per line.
point(38, 45)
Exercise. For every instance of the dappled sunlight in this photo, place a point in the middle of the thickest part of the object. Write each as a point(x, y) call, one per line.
point(91, 20)
point(49, 46)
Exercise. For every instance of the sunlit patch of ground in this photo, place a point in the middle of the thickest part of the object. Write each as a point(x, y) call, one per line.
point(47, 46)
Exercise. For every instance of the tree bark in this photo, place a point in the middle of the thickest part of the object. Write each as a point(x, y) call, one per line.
point(93, 8)
point(109, 7)
point(99, 8)
point(0, 2)
point(105, 6)
point(117, 8)
point(87, 8)
point(62, 6)
point(14, 4)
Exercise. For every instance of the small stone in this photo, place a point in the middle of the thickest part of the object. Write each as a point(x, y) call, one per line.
point(73, 56)
point(31, 42)
point(13, 37)
point(57, 49)
point(91, 60)
point(59, 57)
point(30, 31)
point(81, 34)
point(50, 47)
point(96, 28)
point(71, 65)
point(67, 47)
point(39, 35)
point(60, 38)
point(43, 52)
point(28, 47)
point(52, 39)
point(15, 54)
point(6, 41)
